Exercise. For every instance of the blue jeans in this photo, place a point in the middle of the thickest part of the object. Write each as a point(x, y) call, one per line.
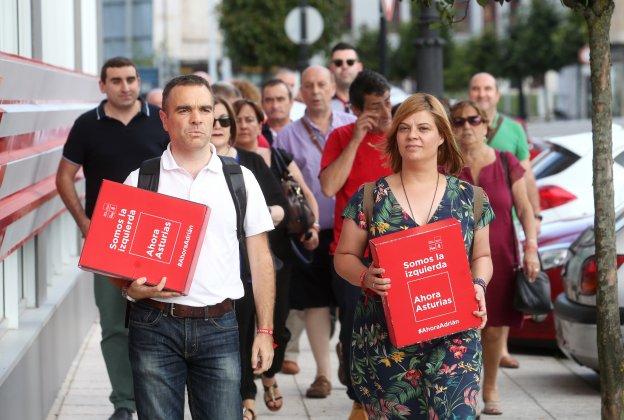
point(168, 353)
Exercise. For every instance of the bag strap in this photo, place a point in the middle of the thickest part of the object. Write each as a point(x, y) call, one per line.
point(368, 203)
point(505, 163)
point(477, 204)
point(492, 133)
point(281, 163)
point(236, 184)
point(312, 135)
point(149, 174)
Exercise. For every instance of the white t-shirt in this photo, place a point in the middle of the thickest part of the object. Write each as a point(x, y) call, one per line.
point(217, 274)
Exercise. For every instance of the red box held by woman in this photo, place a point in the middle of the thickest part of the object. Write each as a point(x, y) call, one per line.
point(136, 233)
point(431, 294)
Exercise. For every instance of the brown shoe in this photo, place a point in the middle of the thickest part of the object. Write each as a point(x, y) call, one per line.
point(320, 388)
point(289, 367)
point(358, 412)
point(342, 375)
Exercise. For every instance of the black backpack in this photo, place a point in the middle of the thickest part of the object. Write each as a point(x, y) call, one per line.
point(149, 174)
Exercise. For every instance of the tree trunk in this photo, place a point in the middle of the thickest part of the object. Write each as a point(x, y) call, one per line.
point(610, 349)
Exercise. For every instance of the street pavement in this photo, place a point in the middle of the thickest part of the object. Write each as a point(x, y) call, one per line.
point(545, 387)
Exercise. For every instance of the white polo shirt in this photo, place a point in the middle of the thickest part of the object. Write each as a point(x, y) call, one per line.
point(217, 274)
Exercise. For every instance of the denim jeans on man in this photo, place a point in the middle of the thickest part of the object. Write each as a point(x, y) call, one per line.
point(168, 353)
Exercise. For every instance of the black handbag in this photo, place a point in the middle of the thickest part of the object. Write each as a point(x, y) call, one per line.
point(529, 298)
point(300, 217)
point(532, 298)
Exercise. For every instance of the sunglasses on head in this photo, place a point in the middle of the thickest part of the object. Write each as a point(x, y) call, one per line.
point(473, 120)
point(338, 62)
point(223, 121)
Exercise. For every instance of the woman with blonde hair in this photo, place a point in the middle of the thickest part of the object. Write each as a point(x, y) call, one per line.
point(502, 177)
point(437, 378)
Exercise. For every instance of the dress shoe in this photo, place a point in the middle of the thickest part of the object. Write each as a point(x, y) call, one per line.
point(358, 412)
point(289, 367)
point(320, 388)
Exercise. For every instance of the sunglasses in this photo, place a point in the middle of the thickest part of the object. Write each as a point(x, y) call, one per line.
point(473, 121)
point(338, 62)
point(223, 122)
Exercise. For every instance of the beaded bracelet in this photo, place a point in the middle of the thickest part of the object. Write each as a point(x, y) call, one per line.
point(264, 331)
point(480, 282)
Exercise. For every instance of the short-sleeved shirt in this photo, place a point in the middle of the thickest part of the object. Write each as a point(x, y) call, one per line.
point(217, 273)
point(294, 138)
point(369, 164)
point(388, 215)
point(107, 149)
point(510, 137)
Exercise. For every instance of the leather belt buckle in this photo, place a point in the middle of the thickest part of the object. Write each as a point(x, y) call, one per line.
point(172, 310)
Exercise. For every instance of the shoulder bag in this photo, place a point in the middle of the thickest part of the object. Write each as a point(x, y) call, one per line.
point(530, 298)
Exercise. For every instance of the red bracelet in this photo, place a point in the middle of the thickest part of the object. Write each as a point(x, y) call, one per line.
point(362, 277)
point(264, 331)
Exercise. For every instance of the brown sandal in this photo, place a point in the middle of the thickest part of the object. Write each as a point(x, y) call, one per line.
point(249, 411)
point(269, 391)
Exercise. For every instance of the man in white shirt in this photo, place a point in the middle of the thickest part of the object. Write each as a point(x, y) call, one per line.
point(193, 340)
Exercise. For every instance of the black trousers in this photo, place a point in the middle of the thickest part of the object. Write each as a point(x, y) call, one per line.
point(246, 317)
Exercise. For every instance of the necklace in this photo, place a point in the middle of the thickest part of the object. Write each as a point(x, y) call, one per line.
point(432, 199)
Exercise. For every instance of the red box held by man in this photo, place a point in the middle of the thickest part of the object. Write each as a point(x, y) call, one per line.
point(431, 294)
point(138, 233)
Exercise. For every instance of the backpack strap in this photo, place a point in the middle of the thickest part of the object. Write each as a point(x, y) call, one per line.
point(149, 174)
point(477, 204)
point(368, 203)
point(236, 184)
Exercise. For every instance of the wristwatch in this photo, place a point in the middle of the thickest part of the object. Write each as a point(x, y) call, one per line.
point(124, 293)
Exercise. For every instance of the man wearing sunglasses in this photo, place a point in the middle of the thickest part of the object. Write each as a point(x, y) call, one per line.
point(345, 66)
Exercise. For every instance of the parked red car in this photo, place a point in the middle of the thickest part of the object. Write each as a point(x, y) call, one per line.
point(553, 242)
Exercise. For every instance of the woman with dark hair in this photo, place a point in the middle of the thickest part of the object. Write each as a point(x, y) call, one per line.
point(502, 177)
point(437, 378)
point(246, 116)
point(223, 135)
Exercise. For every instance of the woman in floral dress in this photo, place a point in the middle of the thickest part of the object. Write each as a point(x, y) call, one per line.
point(437, 379)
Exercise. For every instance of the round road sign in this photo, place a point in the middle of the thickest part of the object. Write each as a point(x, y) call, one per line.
point(313, 25)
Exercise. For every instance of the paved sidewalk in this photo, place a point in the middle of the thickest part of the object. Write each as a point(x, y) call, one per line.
point(544, 387)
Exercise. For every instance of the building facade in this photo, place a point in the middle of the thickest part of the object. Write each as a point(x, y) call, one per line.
point(48, 62)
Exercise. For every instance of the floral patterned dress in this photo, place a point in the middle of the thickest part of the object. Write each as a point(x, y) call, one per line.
point(437, 379)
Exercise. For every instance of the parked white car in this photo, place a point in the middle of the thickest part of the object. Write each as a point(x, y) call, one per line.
point(575, 308)
point(564, 175)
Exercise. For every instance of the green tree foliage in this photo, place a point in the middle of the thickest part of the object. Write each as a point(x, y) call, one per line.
point(254, 30)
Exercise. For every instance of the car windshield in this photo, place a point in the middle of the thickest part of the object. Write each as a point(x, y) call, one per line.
point(552, 161)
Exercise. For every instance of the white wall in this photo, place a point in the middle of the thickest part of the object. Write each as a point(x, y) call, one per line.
point(57, 32)
point(88, 24)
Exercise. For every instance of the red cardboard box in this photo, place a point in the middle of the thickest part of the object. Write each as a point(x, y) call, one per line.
point(432, 294)
point(136, 233)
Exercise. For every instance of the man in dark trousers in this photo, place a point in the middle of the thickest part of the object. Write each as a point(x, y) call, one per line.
point(109, 142)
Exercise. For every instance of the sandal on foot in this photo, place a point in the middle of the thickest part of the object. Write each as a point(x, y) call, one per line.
point(271, 397)
point(492, 408)
point(247, 411)
point(509, 362)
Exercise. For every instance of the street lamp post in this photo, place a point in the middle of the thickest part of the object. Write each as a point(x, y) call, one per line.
point(382, 40)
point(302, 63)
point(429, 77)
